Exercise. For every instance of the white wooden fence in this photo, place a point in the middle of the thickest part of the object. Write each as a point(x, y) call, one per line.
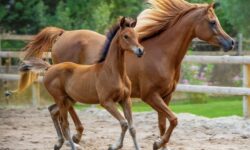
point(242, 91)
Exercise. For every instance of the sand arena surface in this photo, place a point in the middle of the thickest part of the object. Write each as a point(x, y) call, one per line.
point(32, 129)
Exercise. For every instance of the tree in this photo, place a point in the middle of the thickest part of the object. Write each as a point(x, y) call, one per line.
point(237, 12)
point(22, 16)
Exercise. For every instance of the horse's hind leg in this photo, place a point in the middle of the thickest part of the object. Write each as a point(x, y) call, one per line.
point(126, 106)
point(112, 109)
point(54, 112)
point(79, 128)
point(63, 108)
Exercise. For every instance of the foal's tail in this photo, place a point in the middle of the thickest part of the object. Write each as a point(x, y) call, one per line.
point(28, 71)
point(33, 64)
point(42, 42)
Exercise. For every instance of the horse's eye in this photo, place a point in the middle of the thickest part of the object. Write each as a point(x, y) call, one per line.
point(213, 23)
point(125, 37)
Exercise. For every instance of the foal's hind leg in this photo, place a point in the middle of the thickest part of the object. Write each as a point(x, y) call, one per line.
point(112, 109)
point(126, 106)
point(54, 112)
point(79, 128)
point(63, 108)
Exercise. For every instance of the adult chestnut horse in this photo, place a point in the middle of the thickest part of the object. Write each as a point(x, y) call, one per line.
point(166, 29)
point(105, 82)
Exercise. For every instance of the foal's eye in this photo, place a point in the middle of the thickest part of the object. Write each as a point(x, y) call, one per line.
point(213, 23)
point(125, 37)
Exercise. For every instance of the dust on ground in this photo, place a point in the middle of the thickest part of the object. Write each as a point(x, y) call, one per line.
point(32, 129)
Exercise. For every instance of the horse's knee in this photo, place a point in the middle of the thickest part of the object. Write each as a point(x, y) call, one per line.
point(124, 125)
point(80, 128)
point(132, 131)
point(174, 122)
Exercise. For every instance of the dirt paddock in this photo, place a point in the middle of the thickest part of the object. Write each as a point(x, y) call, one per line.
point(32, 129)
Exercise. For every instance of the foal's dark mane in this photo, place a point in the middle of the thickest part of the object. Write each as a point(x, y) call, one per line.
point(110, 35)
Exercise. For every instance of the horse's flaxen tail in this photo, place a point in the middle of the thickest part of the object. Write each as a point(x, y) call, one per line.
point(42, 42)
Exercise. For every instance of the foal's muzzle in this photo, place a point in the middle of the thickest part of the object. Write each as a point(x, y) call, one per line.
point(139, 52)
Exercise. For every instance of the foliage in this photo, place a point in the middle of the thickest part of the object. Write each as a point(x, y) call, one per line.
point(237, 12)
point(28, 17)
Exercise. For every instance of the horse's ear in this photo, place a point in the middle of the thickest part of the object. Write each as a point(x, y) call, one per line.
point(133, 24)
point(214, 5)
point(122, 22)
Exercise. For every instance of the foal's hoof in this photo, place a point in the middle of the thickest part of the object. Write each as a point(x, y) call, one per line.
point(114, 147)
point(75, 139)
point(56, 147)
point(157, 144)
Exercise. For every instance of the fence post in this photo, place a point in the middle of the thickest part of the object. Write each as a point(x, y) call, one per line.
point(0, 49)
point(35, 93)
point(240, 46)
point(246, 99)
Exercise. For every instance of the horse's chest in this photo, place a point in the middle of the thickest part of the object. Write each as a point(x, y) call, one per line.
point(115, 91)
point(121, 92)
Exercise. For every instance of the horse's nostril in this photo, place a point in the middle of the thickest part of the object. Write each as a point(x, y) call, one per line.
point(233, 42)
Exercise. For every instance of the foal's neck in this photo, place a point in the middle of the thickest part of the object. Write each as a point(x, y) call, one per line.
point(115, 59)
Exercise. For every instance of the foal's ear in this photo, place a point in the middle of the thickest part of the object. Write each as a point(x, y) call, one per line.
point(133, 24)
point(122, 22)
point(214, 5)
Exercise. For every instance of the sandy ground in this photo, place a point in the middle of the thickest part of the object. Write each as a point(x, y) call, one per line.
point(32, 129)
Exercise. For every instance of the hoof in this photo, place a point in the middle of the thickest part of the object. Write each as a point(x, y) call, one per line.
point(114, 147)
point(157, 145)
point(165, 148)
point(75, 146)
point(56, 147)
point(75, 139)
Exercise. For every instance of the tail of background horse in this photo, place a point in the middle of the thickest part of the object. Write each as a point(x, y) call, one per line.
point(42, 42)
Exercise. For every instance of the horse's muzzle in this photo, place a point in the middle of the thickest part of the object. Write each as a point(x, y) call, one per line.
point(227, 44)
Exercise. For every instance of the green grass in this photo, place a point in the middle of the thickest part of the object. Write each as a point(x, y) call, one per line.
point(215, 107)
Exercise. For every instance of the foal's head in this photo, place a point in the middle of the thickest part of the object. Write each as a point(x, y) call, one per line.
point(128, 37)
point(210, 30)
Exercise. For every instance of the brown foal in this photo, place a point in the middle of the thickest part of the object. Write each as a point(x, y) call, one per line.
point(105, 82)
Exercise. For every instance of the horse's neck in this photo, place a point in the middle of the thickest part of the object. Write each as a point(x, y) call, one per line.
point(115, 59)
point(175, 41)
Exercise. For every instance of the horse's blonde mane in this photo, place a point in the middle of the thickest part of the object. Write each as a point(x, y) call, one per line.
point(161, 15)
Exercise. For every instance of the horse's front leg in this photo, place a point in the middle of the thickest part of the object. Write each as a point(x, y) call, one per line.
point(162, 120)
point(157, 103)
point(126, 106)
point(111, 107)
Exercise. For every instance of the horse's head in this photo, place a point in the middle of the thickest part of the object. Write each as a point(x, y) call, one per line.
point(128, 37)
point(209, 29)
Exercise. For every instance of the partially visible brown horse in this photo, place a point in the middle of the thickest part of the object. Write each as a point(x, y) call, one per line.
point(105, 83)
point(166, 30)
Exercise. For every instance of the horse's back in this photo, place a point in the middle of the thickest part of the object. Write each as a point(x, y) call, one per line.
point(78, 46)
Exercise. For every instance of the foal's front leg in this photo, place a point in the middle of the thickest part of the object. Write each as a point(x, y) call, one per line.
point(126, 106)
point(111, 107)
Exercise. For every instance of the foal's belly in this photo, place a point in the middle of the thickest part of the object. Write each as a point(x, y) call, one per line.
point(82, 89)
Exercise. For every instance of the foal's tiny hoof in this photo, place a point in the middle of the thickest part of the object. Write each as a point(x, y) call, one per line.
point(56, 147)
point(75, 139)
point(112, 147)
point(156, 145)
